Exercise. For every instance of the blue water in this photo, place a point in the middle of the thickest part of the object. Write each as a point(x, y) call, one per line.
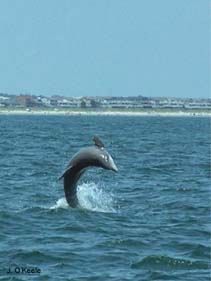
point(149, 221)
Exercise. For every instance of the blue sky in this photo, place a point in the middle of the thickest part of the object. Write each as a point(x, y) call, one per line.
point(105, 47)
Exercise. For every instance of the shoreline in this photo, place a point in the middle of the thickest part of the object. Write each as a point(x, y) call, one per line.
point(60, 112)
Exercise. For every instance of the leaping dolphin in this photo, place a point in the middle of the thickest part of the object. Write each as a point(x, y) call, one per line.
point(86, 157)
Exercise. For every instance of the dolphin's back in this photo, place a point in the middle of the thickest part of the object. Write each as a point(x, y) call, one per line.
point(85, 155)
point(71, 176)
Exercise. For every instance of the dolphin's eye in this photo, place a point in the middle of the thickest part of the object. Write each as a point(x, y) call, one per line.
point(105, 157)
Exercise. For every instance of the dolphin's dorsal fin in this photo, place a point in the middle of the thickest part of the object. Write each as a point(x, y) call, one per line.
point(98, 142)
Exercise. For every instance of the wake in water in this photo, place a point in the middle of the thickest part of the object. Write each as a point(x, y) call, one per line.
point(92, 197)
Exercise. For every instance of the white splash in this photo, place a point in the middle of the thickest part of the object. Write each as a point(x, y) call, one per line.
point(60, 204)
point(91, 197)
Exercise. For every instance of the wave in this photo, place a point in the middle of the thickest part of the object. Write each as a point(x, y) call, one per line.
point(91, 196)
point(169, 263)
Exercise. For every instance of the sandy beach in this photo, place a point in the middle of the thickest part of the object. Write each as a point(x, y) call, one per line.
point(70, 112)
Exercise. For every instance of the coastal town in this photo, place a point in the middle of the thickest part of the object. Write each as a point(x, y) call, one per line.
point(27, 101)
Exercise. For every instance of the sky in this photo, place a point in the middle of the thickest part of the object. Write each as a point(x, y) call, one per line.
point(105, 47)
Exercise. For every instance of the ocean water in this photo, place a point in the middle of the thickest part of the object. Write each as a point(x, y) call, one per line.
point(149, 221)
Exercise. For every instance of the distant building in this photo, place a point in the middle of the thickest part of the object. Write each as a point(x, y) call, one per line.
point(43, 101)
point(68, 103)
point(4, 100)
point(26, 101)
point(57, 101)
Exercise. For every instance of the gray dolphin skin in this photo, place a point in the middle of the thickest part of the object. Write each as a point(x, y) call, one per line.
point(86, 157)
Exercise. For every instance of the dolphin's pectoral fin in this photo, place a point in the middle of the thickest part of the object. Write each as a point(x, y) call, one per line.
point(71, 176)
point(65, 173)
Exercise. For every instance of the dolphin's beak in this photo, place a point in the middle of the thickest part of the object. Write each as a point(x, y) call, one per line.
point(113, 166)
point(115, 169)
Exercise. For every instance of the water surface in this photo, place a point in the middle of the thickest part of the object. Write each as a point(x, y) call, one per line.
point(149, 221)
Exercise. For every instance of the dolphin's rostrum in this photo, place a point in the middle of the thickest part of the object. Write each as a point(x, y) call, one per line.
point(86, 157)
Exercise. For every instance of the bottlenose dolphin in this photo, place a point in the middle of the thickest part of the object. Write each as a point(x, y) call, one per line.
point(86, 157)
